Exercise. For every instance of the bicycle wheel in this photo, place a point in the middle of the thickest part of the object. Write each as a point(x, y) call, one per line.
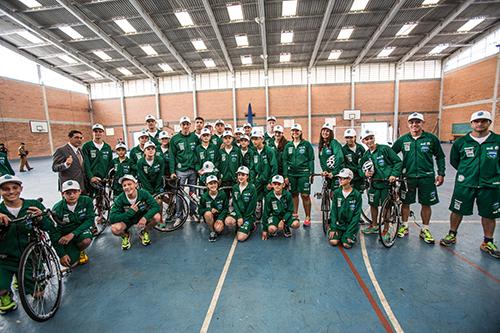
point(40, 281)
point(325, 210)
point(388, 223)
point(174, 211)
point(365, 218)
point(101, 211)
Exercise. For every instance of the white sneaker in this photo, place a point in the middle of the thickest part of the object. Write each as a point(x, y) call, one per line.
point(194, 218)
point(177, 222)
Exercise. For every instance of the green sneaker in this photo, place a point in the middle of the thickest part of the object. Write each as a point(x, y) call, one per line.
point(448, 240)
point(144, 235)
point(15, 285)
point(403, 231)
point(7, 304)
point(370, 230)
point(426, 236)
point(161, 226)
point(126, 242)
point(491, 249)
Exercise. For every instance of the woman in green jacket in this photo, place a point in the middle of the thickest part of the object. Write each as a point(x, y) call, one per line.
point(213, 207)
point(331, 157)
point(278, 143)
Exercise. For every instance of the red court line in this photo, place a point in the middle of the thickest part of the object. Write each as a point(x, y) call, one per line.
point(380, 314)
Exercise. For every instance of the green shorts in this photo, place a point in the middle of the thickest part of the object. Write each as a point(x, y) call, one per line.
point(427, 191)
point(246, 227)
point(487, 201)
point(275, 220)
point(131, 221)
point(377, 196)
point(71, 249)
point(300, 184)
point(9, 268)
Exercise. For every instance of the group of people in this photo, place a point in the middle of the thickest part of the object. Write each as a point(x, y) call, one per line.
point(6, 168)
point(251, 173)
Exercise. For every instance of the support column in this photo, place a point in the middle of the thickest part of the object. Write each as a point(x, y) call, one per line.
point(195, 107)
point(396, 103)
point(353, 93)
point(45, 108)
point(157, 98)
point(123, 112)
point(495, 94)
point(441, 94)
point(235, 124)
point(309, 106)
point(91, 109)
point(266, 86)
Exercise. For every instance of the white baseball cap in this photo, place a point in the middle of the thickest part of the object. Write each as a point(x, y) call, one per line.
point(10, 179)
point(350, 132)
point(416, 115)
point(144, 133)
point(278, 179)
point(208, 166)
point(278, 128)
point(243, 169)
point(70, 185)
point(345, 173)
point(185, 119)
point(129, 177)
point(270, 118)
point(366, 133)
point(228, 126)
point(227, 133)
point(211, 178)
point(164, 135)
point(247, 125)
point(480, 115)
point(327, 126)
point(219, 121)
point(98, 126)
point(121, 145)
point(149, 144)
point(257, 133)
point(238, 130)
point(149, 117)
point(206, 131)
point(296, 127)
point(207, 125)
point(244, 137)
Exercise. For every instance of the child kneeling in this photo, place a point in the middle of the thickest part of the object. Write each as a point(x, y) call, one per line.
point(345, 212)
point(213, 207)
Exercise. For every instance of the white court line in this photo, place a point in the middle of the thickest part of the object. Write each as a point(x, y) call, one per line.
point(419, 221)
point(218, 289)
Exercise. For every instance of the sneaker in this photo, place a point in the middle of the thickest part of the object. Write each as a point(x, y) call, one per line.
point(177, 222)
point(212, 237)
point(448, 240)
point(426, 235)
point(29, 169)
point(386, 237)
point(126, 242)
point(194, 218)
point(15, 284)
point(491, 249)
point(307, 223)
point(287, 232)
point(7, 304)
point(404, 231)
point(161, 225)
point(84, 258)
point(144, 236)
point(370, 230)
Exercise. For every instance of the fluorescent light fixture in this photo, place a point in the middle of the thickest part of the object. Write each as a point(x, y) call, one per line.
point(67, 58)
point(235, 12)
point(29, 36)
point(406, 29)
point(430, 2)
point(125, 25)
point(345, 33)
point(94, 74)
point(386, 52)
point(71, 32)
point(470, 24)
point(184, 18)
point(166, 67)
point(31, 3)
point(285, 57)
point(246, 59)
point(359, 5)
point(148, 49)
point(438, 49)
point(199, 44)
point(289, 8)
point(241, 40)
point(286, 37)
point(124, 71)
point(334, 54)
point(209, 63)
point(101, 54)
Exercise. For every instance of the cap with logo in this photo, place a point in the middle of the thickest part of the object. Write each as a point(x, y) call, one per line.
point(366, 133)
point(164, 135)
point(10, 179)
point(278, 128)
point(98, 127)
point(238, 130)
point(127, 177)
point(247, 125)
point(327, 126)
point(121, 146)
point(480, 115)
point(243, 169)
point(227, 133)
point(70, 185)
point(271, 118)
point(257, 133)
point(206, 131)
point(228, 127)
point(244, 137)
point(349, 133)
point(416, 115)
point(219, 121)
point(149, 117)
point(210, 179)
point(277, 179)
point(149, 144)
point(345, 173)
point(185, 119)
point(144, 133)
point(208, 167)
point(207, 125)
point(296, 127)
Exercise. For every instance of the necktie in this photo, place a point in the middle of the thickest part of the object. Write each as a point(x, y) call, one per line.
point(80, 157)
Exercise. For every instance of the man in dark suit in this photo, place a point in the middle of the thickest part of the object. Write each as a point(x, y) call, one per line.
point(68, 160)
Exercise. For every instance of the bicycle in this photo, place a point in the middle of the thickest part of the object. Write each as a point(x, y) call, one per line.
point(102, 203)
point(39, 273)
point(326, 200)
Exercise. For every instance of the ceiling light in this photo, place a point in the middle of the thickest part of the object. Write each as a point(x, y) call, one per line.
point(66, 58)
point(29, 36)
point(345, 33)
point(166, 67)
point(406, 29)
point(124, 71)
point(199, 44)
point(285, 57)
point(125, 25)
point(209, 63)
point(241, 40)
point(286, 37)
point(429, 2)
point(359, 5)
point(148, 49)
point(71, 32)
point(334, 54)
point(94, 74)
point(31, 3)
point(386, 52)
point(101, 54)
point(235, 12)
point(470, 24)
point(438, 49)
point(289, 8)
point(246, 59)
point(184, 18)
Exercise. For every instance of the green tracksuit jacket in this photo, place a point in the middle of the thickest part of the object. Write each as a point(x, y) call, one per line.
point(155, 139)
point(135, 154)
point(210, 153)
point(182, 152)
point(121, 212)
point(151, 176)
point(477, 165)
point(220, 202)
point(216, 140)
point(5, 168)
point(229, 163)
point(263, 166)
point(122, 168)
point(418, 155)
point(385, 161)
point(280, 208)
point(244, 202)
point(345, 212)
point(298, 161)
point(268, 139)
point(97, 163)
point(351, 159)
point(279, 155)
point(335, 149)
point(166, 158)
point(248, 156)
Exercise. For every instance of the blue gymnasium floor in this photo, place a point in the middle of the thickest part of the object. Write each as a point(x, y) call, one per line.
point(300, 284)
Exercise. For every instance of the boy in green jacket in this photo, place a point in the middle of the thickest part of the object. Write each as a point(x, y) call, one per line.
point(150, 170)
point(123, 166)
point(164, 150)
point(331, 156)
point(76, 215)
point(133, 207)
point(230, 160)
point(345, 212)
point(278, 211)
point(244, 198)
point(353, 152)
point(246, 149)
point(213, 207)
point(384, 165)
point(5, 167)
point(206, 151)
point(137, 152)
point(263, 165)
